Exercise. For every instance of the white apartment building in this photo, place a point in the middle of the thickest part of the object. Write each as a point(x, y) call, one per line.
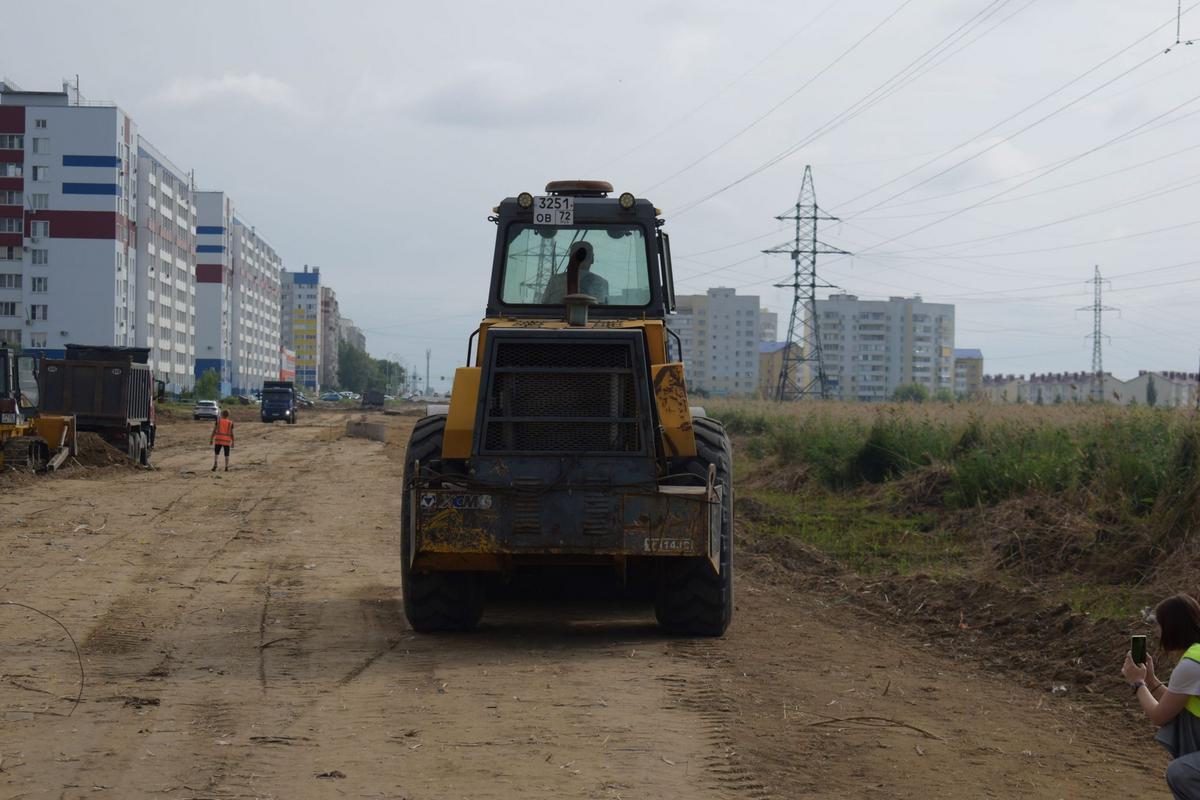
point(871, 347)
point(768, 326)
point(720, 332)
point(68, 217)
point(166, 267)
point(214, 281)
point(351, 334)
point(300, 313)
point(257, 294)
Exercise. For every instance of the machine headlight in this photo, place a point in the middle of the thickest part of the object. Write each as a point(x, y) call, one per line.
point(525, 200)
point(626, 200)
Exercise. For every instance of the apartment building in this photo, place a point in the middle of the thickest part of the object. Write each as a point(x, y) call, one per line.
point(166, 266)
point(720, 332)
point(968, 372)
point(330, 336)
point(871, 347)
point(214, 283)
point(68, 217)
point(351, 334)
point(300, 315)
point(768, 326)
point(256, 307)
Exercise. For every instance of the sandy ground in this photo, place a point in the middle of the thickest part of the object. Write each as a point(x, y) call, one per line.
point(242, 637)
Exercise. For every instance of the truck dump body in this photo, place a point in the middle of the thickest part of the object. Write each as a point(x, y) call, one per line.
point(101, 394)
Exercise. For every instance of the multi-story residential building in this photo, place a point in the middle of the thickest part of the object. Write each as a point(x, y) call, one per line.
point(968, 372)
point(330, 336)
point(300, 312)
point(768, 326)
point(68, 217)
point(870, 347)
point(214, 282)
point(256, 307)
point(720, 332)
point(166, 266)
point(352, 335)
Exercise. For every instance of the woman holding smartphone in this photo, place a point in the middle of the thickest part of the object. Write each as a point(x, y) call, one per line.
point(1174, 706)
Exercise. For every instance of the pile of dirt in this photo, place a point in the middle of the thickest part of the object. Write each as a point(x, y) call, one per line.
point(93, 452)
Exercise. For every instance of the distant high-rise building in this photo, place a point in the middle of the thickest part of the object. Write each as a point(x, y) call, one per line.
point(166, 266)
point(769, 326)
point(352, 335)
point(300, 313)
point(330, 336)
point(256, 307)
point(214, 282)
point(68, 221)
point(871, 347)
point(968, 372)
point(720, 333)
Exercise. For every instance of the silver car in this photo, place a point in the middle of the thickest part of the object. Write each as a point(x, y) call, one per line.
point(206, 409)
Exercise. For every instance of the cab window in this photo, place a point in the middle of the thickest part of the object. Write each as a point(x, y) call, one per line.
point(535, 265)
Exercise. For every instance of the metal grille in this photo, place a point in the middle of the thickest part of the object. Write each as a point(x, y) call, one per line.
point(562, 397)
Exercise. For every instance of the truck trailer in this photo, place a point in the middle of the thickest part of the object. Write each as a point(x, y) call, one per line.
point(111, 392)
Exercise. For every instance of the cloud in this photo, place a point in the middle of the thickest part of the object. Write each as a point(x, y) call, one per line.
point(249, 87)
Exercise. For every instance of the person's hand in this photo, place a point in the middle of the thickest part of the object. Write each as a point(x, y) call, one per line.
point(1131, 671)
point(1150, 676)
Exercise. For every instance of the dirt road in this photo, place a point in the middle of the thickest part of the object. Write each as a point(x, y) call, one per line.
point(242, 638)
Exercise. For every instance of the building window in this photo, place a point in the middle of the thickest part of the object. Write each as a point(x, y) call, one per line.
point(10, 337)
point(41, 145)
point(10, 225)
point(11, 170)
point(41, 173)
point(37, 339)
point(39, 256)
point(39, 229)
point(39, 311)
point(8, 309)
point(10, 253)
point(39, 123)
point(9, 280)
point(39, 201)
point(12, 142)
point(39, 285)
point(10, 198)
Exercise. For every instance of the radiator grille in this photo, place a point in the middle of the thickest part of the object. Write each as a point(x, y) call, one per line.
point(550, 397)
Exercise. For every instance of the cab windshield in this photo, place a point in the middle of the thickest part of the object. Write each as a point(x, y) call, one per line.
point(535, 265)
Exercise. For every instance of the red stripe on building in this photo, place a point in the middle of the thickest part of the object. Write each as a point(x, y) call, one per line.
point(12, 156)
point(78, 224)
point(12, 211)
point(16, 184)
point(12, 119)
point(10, 240)
point(210, 273)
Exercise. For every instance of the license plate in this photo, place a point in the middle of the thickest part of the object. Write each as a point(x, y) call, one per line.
point(551, 210)
point(8, 419)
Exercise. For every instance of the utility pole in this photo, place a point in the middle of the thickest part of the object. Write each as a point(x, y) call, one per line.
point(1097, 335)
point(428, 353)
point(804, 327)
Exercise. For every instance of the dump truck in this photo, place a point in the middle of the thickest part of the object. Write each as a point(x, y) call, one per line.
point(111, 392)
point(278, 401)
point(569, 440)
point(29, 438)
point(373, 398)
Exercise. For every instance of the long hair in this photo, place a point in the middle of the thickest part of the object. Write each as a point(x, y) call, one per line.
point(1179, 619)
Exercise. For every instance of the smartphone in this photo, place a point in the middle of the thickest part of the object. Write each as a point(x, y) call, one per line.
point(1137, 646)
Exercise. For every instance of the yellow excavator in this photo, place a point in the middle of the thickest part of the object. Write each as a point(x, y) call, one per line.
point(29, 440)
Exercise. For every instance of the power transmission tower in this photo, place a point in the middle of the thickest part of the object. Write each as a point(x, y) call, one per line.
point(1097, 335)
point(428, 353)
point(804, 327)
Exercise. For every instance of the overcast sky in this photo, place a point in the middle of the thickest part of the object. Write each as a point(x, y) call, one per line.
point(372, 139)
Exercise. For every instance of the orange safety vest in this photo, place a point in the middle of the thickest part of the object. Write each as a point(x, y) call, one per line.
point(224, 432)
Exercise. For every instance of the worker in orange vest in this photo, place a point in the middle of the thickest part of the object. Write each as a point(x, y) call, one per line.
point(222, 437)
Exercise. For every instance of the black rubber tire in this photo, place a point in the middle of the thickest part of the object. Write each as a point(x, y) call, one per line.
point(144, 452)
point(691, 600)
point(433, 601)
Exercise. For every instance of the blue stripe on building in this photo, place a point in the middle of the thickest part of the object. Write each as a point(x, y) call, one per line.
point(91, 161)
point(203, 365)
point(210, 248)
point(209, 229)
point(306, 277)
point(44, 352)
point(92, 188)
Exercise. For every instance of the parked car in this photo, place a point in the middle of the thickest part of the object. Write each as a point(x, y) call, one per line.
point(331, 397)
point(206, 409)
point(304, 401)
